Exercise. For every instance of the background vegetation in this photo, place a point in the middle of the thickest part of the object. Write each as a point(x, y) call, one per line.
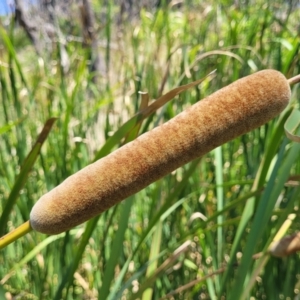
point(199, 233)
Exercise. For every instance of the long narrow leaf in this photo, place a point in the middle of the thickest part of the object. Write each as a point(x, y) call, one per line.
point(22, 177)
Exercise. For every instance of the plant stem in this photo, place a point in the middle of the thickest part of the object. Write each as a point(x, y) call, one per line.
point(294, 80)
point(15, 234)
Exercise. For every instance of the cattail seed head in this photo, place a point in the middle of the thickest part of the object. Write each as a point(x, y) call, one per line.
point(228, 113)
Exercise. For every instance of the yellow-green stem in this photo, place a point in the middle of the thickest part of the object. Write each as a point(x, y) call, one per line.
point(15, 234)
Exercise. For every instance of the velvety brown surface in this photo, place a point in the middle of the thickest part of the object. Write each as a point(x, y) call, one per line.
point(230, 112)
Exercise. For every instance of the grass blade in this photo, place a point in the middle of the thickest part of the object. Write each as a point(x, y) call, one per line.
point(263, 214)
point(22, 177)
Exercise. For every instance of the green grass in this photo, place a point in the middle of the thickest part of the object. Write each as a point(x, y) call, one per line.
point(192, 234)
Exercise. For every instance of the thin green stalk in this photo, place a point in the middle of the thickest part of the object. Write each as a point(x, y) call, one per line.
point(270, 152)
point(23, 175)
point(220, 207)
point(263, 214)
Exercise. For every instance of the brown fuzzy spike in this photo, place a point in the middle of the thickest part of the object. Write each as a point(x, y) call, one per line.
point(230, 112)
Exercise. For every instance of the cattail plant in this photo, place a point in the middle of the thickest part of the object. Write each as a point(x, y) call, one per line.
point(228, 113)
